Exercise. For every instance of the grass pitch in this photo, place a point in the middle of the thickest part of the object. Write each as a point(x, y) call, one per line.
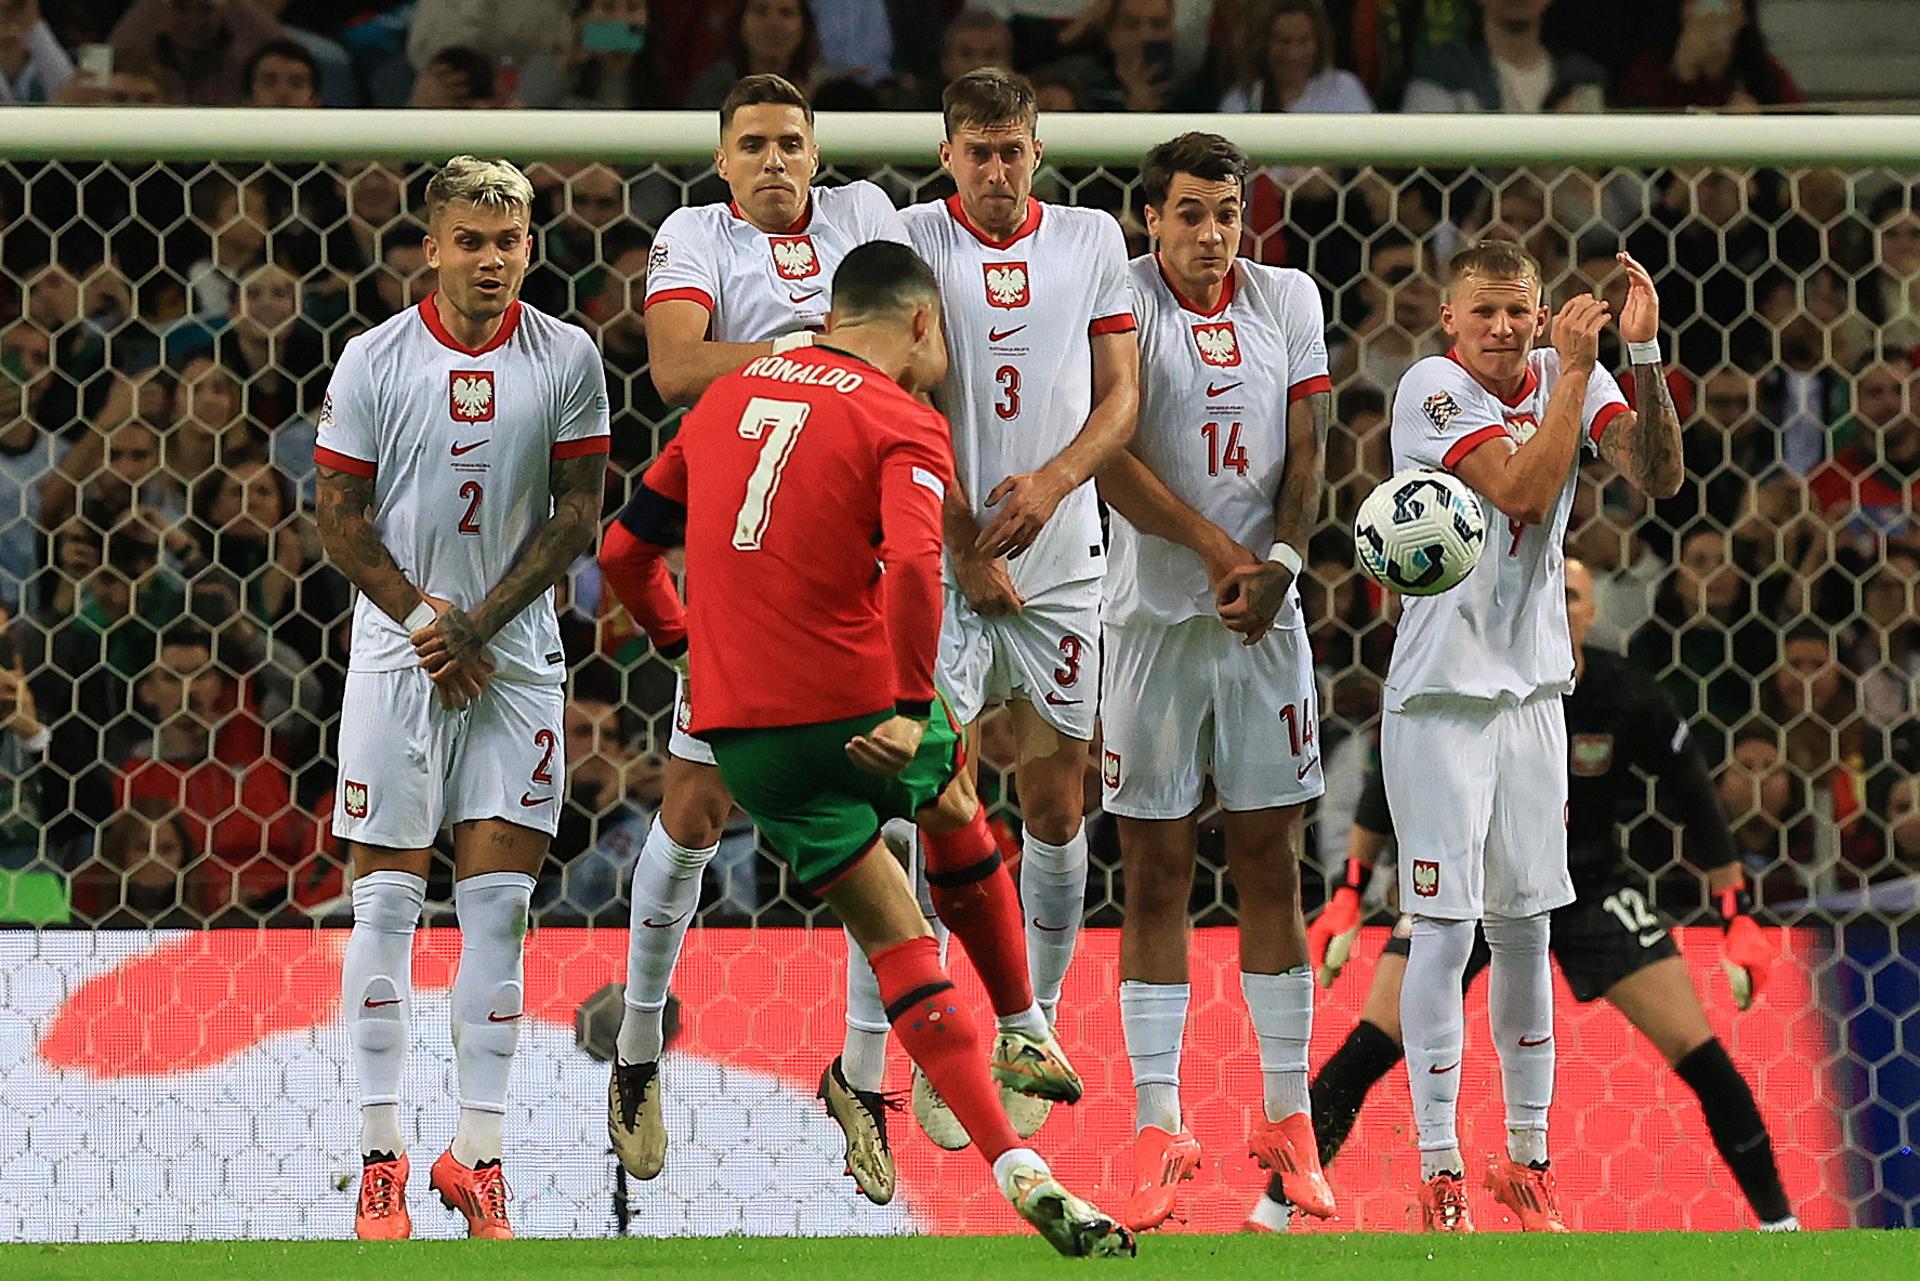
point(1854, 1256)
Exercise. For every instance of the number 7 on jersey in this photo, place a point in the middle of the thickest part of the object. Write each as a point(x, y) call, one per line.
point(778, 423)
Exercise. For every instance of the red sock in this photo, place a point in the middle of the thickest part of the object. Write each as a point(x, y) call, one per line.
point(975, 897)
point(939, 1036)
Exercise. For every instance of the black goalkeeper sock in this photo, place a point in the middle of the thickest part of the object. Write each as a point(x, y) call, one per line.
point(1341, 1087)
point(1738, 1132)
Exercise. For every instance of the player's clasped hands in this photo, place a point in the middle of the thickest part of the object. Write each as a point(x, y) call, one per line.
point(888, 748)
point(1250, 597)
point(1026, 503)
point(458, 680)
point(986, 583)
point(1576, 332)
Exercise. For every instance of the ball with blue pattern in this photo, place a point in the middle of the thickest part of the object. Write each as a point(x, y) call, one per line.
point(1419, 532)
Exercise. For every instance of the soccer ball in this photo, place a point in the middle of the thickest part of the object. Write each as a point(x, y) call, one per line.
point(1419, 532)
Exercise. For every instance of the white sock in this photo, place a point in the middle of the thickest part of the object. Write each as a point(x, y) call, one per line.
point(1432, 1023)
point(1282, 1009)
point(1012, 1157)
point(863, 1055)
point(488, 1000)
point(1520, 1010)
point(1153, 1018)
point(1053, 892)
point(376, 991)
point(1031, 1021)
point(666, 891)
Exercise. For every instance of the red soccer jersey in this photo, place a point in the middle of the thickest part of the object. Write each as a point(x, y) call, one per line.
point(813, 487)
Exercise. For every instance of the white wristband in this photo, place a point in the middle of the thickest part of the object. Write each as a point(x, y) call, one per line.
point(422, 615)
point(1285, 554)
point(1643, 353)
point(787, 342)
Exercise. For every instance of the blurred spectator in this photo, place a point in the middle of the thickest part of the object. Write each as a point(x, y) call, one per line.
point(1728, 447)
point(244, 522)
point(1604, 532)
point(456, 79)
point(138, 80)
point(275, 354)
point(613, 790)
point(1401, 323)
point(1903, 824)
point(1505, 66)
point(28, 456)
point(499, 33)
point(1813, 700)
point(1383, 40)
point(208, 426)
point(33, 66)
point(1288, 65)
point(1133, 69)
point(139, 878)
point(1884, 647)
point(208, 757)
point(610, 64)
point(206, 43)
point(238, 215)
point(1766, 805)
point(778, 37)
point(1870, 488)
point(1055, 90)
point(974, 38)
point(591, 201)
point(1359, 452)
point(403, 277)
point(24, 739)
point(1718, 58)
point(282, 73)
point(856, 39)
point(1890, 296)
point(1707, 642)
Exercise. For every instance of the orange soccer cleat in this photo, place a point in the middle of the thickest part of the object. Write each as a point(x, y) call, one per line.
point(1443, 1204)
point(479, 1193)
point(1527, 1191)
point(1287, 1147)
point(1161, 1163)
point(382, 1213)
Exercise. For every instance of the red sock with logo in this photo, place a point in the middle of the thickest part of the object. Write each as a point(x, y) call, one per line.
point(939, 1035)
point(977, 900)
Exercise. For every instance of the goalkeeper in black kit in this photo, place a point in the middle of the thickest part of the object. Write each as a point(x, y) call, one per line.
point(1610, 943)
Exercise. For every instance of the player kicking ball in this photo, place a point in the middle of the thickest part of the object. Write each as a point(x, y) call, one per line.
point(782, 482)
point(461, 455)
point(1235, 405)
point(1473, 742)
point(1610, 944)
point(727, 282)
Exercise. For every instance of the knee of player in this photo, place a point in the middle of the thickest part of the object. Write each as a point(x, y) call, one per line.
point(695, 817)
point(1052, 815)
point(1157, 888)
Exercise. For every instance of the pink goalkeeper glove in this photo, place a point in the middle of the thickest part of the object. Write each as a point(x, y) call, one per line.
point(1330, 936)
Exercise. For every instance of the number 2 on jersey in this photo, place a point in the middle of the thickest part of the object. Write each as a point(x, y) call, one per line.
point(473, 492)
point(778, 423)
point(1232, 458)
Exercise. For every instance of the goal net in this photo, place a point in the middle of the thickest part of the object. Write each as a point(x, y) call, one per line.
point(173, 1063)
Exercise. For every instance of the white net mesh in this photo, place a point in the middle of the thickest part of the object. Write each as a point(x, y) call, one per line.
point(168, 334)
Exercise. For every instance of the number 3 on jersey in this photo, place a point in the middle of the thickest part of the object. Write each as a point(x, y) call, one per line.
point(778, 423)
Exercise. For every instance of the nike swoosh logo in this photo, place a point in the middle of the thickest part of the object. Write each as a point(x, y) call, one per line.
point(372, 1004)
point(652, 924)
point(1213, 391)
point(1300, 775)
point(467, 449)
point(1001, 335)
point(1038, 924)
point(811, 293)
point(1442, 1071)
point(501, 1018)
point(529, 800)
point(1527, 1043)
point(1650, 937)
point(1054, 700)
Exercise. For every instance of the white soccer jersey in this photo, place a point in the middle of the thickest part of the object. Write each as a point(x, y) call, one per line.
point(1502, 633)
point(759, 286)
point(458, 443)
point(1020, 315)
point(1215, 391)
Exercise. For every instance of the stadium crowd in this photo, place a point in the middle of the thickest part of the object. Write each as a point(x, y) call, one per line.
point(175, 640)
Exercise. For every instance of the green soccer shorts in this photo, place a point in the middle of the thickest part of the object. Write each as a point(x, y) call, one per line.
point(815, 808)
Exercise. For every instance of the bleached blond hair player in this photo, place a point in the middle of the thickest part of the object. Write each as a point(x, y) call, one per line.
point(1234, 410)
point(461, 455)
point(1473, 740)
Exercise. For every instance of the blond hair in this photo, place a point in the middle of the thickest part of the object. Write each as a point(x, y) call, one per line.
point(1493, 260)
point(488, 184)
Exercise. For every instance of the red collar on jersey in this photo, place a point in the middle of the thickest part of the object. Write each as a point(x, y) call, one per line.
point(430, 313)
point(1226, 289)
point(1527, 385)
point(799, 224)
point(1026, 228)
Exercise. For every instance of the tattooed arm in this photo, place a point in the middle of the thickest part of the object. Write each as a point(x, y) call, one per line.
point(1251, 596)
point(459, 636)
point(1645, 445)
point(343, 509)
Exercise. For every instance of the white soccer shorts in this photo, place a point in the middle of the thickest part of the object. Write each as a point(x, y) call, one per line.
point(1479, 798)
point(1047, 654)
point(409, 767)
point(1180, 702)
point(680, 742)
